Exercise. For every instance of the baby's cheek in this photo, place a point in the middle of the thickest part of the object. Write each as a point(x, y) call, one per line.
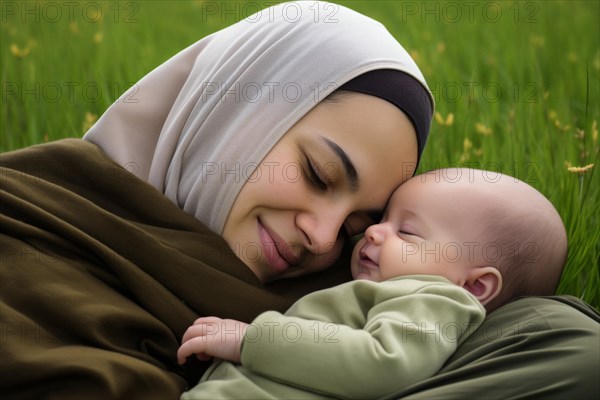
point(401, 250)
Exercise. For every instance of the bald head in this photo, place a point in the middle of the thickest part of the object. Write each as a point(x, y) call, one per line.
point(518, 230)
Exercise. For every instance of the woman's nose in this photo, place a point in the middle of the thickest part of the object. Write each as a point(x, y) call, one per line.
point(321, 229)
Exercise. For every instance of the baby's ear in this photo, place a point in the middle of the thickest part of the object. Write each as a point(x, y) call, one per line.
point(484, 283)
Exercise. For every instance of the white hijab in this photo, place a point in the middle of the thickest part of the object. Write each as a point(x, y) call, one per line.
point(198, 125)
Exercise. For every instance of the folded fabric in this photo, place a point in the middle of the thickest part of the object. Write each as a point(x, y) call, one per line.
point(101, 275)
point(531, 348)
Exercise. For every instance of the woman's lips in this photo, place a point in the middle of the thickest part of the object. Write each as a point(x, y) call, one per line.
point(277, 252)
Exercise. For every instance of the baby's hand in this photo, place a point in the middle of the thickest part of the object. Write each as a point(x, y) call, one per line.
point(213, 337)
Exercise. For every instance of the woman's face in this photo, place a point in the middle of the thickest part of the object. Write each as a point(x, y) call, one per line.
point(327, 178)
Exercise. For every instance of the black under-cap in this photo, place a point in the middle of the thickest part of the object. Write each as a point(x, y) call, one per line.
point(402, 90)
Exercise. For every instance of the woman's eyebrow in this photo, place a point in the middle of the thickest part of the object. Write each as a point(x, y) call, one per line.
point(349, 169)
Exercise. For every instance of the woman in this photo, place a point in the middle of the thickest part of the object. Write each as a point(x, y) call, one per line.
point(215, 111)
point(232, 130)
point(234, 137)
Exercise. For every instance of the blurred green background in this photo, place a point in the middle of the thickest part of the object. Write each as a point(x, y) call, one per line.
point(516, 83)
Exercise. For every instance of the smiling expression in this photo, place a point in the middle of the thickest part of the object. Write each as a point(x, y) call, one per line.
point(426, 230)
point(324, 180)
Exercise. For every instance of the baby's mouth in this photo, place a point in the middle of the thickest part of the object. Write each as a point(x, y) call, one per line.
point(365, 260)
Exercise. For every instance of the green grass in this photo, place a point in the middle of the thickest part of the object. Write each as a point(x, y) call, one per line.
point(527, 72)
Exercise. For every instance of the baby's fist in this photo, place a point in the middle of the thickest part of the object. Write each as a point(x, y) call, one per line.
point(213, 337)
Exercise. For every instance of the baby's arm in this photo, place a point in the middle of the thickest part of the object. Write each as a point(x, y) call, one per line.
point(393, 333)
point(213, 337)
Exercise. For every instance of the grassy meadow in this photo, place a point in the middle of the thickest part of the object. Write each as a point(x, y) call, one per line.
point(517, 85)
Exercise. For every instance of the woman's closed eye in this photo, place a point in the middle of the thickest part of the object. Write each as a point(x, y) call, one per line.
point(313, 175)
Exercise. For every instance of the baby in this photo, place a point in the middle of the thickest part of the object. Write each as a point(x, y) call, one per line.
point(452, 243)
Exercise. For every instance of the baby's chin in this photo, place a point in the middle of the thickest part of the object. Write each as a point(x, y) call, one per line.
point(359, 273)
point(362, 276)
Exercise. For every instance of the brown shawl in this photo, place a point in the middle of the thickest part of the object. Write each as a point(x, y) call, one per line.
point(101, 275)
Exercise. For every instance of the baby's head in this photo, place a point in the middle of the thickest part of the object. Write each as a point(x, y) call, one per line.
point(492, 234)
